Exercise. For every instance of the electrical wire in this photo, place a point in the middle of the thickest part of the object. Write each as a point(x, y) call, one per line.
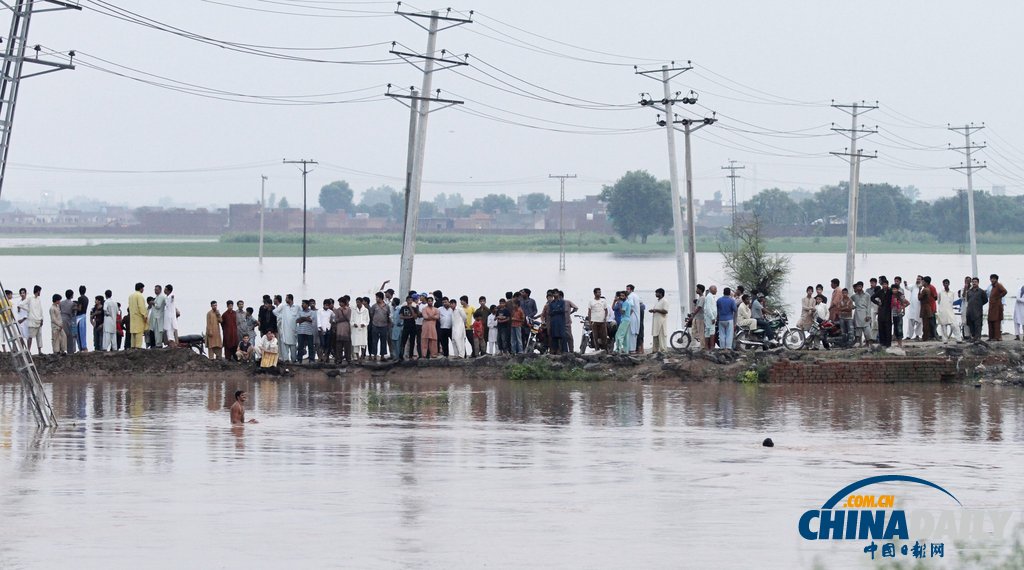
point(76, 170)
point(234, 97)
point(354, 14)
point(273, 52)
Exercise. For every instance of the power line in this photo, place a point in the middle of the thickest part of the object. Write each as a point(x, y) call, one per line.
point(272, 52)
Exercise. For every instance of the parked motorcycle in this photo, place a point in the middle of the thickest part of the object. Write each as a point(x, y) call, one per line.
point(829, 333)
point(537, 340)
point(681, 339)
point(791, 338)
point(587, 341)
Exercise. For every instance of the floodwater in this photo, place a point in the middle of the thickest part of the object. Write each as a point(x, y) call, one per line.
point(197, 281)
point(486, 474)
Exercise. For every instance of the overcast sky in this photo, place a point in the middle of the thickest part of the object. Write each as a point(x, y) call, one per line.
point(769, 68)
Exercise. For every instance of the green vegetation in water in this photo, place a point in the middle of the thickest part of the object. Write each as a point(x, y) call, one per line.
point(543, 370)
point(405, 402)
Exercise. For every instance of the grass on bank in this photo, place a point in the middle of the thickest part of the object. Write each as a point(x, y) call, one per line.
point(539, 369)
point(332, 245)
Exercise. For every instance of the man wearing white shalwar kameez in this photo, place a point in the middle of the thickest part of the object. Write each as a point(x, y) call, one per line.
point(109, 324)
point(287, 314)
point(945, 316)
point(156, 322)
point(915, 326)
point(170, 316)
point(459, 330)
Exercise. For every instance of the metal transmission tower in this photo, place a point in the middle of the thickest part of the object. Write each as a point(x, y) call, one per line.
point(14, 60)
point(305, 170)
point(732, 168)
point(668, 73)
point(968, 168)
point(853, 155)
point(419, 105)
point(561, 218)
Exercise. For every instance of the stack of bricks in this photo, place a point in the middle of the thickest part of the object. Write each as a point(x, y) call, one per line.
point(863, 371)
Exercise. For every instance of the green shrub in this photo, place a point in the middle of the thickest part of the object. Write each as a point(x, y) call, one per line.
point(542, 370)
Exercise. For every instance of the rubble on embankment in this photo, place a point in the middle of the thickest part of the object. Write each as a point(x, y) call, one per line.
point(1001, 362)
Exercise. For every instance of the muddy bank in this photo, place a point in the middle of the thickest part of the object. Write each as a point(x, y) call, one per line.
point(918, 362)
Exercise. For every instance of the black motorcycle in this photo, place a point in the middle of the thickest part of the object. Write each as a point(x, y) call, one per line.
point(791, 338)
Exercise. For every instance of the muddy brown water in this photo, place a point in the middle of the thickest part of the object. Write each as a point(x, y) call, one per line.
point(472, 474)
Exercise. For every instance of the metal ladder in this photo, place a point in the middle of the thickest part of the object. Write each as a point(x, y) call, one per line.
point(23, 363)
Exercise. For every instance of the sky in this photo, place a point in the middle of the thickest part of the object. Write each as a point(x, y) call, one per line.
point(550, 89)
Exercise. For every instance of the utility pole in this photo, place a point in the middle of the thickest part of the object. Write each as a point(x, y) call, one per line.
point(854, 157)
point(14, 60)
point(668, 73)
point(561, 218)
point(305, 170)
point(263, 206)
point(732, 168)
point(419, 105)
point(968, 168)
point(689, 126)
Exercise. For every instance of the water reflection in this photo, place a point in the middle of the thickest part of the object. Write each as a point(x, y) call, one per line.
point(390, 472)
point(886, 410)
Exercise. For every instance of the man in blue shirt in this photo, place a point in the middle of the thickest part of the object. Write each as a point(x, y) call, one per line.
point(726, 318)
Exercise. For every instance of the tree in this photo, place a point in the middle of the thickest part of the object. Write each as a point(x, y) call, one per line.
point(283, 203)
point(272, 201)
point(448, 202)
point(754, 268)
point(492, 203)
point(537, 202)
point(379, 210)
point(398, 207)
point(639, 205)
point(379, 195)
point(336, 196)
point(774, 208)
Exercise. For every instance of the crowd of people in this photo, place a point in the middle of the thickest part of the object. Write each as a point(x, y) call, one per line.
point(285, 330)
point(870, 314)
point(148, 321)
point(431, 325)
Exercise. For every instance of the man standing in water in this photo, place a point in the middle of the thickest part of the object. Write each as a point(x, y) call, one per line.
point(238, 409)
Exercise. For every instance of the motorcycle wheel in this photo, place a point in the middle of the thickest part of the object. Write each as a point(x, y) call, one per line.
point(680, 340)
point(794, 339)
point(583, 345)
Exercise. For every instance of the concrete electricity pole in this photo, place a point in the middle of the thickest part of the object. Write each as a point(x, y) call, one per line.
point(305, 170)
point(561, 218)
point(419, 104)
point(263, 206)
point(668, 73)
point(968, 168)
point(689, 126)
point(854, 156)
point(732, 168)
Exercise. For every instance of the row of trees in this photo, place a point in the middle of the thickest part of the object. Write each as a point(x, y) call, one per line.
point(386, 202)
point(886, 208)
